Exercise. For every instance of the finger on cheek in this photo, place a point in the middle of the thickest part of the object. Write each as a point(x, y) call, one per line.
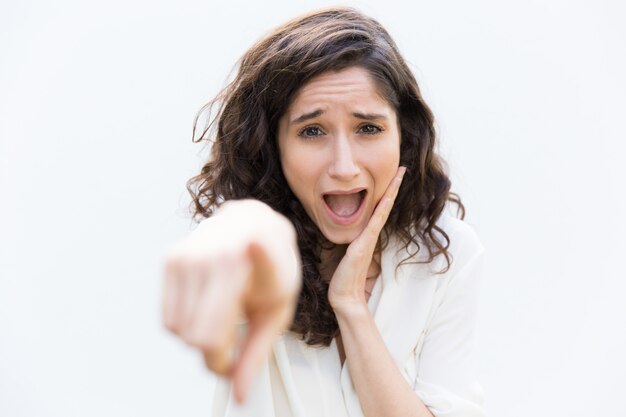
point(400, 175)
point(395, 184)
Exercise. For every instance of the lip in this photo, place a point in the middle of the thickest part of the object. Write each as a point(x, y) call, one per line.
point(341, 192)
point(344, 221)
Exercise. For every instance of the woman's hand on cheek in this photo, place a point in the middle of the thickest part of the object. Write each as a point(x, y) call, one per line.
point(347, 285)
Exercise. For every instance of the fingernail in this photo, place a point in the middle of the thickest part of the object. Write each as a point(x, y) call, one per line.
point(401, 176)
point(402, 171)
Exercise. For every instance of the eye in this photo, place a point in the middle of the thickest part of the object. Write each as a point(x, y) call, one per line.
point(310, 132)
point(370, 129)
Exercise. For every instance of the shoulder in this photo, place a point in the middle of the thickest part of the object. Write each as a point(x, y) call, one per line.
point(463, 243)
point(466, 252)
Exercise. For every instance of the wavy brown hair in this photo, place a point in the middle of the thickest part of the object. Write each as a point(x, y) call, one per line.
point(245, 163)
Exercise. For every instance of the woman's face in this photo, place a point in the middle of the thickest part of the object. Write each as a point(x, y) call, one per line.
point(339, 145)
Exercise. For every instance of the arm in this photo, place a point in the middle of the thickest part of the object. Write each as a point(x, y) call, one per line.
point(445, 381)
point(444, 384)
point(446, 378)
point(381, 388)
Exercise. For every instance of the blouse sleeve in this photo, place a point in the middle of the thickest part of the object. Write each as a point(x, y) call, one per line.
point(445, 375)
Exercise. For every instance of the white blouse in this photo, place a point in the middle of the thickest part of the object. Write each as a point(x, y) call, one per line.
point(427, 321)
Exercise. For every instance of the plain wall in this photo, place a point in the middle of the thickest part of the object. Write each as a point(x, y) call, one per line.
point(97, 101)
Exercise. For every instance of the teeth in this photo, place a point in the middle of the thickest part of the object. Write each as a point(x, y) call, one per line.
point(344, 205)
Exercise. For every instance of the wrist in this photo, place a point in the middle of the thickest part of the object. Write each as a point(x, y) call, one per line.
point(350, 309)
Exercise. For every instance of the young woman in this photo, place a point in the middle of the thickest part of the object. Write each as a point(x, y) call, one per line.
point(328, 278)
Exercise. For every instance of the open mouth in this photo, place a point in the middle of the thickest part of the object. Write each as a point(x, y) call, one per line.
point(345, 205)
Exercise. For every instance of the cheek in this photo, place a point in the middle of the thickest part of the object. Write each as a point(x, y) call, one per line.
point(385, 166)
point(299, 173)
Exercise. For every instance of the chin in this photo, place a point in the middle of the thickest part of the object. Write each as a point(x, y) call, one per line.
point(342, 238)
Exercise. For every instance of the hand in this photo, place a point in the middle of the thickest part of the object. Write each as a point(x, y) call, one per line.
point(244, 260)
point(347, 285)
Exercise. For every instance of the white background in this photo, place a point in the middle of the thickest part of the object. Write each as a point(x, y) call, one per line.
point(97, 101)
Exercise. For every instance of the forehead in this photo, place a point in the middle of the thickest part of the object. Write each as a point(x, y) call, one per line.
point(353, 85)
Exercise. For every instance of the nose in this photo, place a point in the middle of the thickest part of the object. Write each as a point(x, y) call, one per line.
point(344, 165)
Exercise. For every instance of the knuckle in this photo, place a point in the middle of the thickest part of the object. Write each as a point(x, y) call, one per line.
point(212, 344)
point(170, 282)
point(181, 272)
point(173, 265)
point(207, 344)
point(170, 321)
point(199, 266)
point(171, 324)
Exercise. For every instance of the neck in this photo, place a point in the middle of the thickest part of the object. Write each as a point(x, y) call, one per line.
point(330, 258)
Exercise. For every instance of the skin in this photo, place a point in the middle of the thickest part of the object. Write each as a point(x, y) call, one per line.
point(339, 150)
point(331, 151)
point(381, 388)
point(231, 266)
point(257, 272)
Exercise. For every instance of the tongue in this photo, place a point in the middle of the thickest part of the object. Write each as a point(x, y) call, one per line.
point(343, 205)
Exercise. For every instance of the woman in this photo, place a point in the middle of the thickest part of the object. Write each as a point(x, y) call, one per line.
point(328, 278)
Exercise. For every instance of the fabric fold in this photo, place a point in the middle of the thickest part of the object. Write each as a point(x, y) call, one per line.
point(426, 320)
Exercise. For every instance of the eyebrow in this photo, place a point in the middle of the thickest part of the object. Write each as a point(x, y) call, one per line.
point(319, 112)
